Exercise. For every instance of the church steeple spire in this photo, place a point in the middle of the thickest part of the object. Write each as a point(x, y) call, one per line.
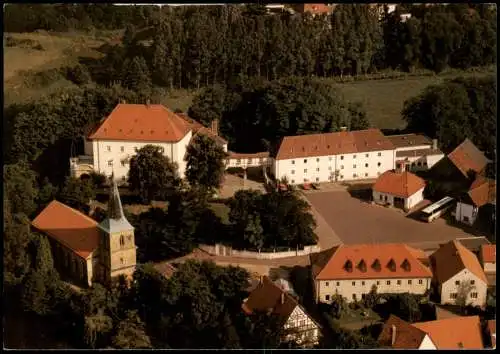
point(115, 209)
point(116, 220)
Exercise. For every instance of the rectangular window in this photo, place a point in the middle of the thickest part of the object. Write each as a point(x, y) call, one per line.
point(305, 160)
point(329, 168)
point(341, 167)
point(425, 163)
point(122, 148)
point(305, 179)
point(110, 163)
point(109, 148)
point(293, 172)
point(354, 175)
point(453, 295)
point(249, 161)
point(367, 155)
point(353, 156)
point(381, 198)
point(327, 297)
point(420, 281)
point(378, 164)
point(341, 157)
point(341, 176)
point(378, 282)
point(317, 160)
point(366, 165)
point(326, 283)
point(302, 323)
point(457, 282)
point(362, 283)
point(123, 163)
point(472, 282)
point(409, 282)
point(473, 295)
point(354, 297)
point(363, 296)
point(338, 283)
point(419, 163)
point(317, 169)
point(353, 166)
point(317, 179)
point(388, 282)
point(305, 170)
point(293, 181)
point(353, 283)
point(398, 282)
point(366, 174)
point(329, 158)
point(238, 161)
point(293, 162)
point(135, 148)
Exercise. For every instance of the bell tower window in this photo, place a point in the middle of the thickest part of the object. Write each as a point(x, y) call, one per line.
point(122, 241)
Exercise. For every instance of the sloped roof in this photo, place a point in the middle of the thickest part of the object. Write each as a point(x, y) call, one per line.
point(70, 227)
point(199, 128)
point(482, 191)
point(166, 269)
point(407, 336)
point(489, 253)
point(138, 122)
point(409, 140)
point(419, 153)
point(326, 144)
point(467, 157)
point(400, 184)
point(451, 258)
point(267, 296)
point(454, 332)
point(331, 264)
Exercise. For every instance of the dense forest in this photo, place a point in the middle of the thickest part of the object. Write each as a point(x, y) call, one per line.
point(190, 47)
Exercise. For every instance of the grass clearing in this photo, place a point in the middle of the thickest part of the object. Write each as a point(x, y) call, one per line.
point(383, 100)
point(353, 319)
point(221, 210)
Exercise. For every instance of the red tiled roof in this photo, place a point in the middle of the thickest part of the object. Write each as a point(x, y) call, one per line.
point(407, 336)
point(70, 227)
point(403, 184)
point(489, 253)
point(268, 296)
point(331, 264)
point(418, 152)
point(468, 157)
point(453, 257)
point(409, 140)
point(482, 191)
point(454, 332)
point(166, 269)
point(142, 123)
point(199, 128)
point(326, 144)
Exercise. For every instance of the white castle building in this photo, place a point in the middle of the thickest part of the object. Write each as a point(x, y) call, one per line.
point(325, 157)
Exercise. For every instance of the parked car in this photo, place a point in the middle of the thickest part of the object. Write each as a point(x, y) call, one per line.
point(316, 186)
point(306, 186)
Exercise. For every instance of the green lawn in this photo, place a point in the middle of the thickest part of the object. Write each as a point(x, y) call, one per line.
point(353, 319)
point(383, 100)
point(221, 210)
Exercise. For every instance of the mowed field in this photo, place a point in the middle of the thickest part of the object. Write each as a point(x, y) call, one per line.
point(383, 100)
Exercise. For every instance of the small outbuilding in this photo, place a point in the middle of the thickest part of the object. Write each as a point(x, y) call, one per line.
point(398, 189)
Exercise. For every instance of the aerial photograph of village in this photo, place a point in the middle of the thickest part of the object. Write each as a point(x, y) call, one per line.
point(249, 176)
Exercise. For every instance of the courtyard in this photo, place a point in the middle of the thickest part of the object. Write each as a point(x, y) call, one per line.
point(355, 221)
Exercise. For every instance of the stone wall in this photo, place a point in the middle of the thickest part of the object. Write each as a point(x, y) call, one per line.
point(221, 250)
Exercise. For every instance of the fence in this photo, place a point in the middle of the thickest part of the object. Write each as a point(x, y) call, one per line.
point(221, 250)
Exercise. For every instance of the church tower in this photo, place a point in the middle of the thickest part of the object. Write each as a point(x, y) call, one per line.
point(117, 250)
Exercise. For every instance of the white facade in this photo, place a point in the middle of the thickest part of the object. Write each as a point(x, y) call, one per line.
point(427, 344)
point(466, 213)
point(356, 289)
point(304, 329)
point(345, 167)
point(410, 202)
point(450, 288)
point(115, 155)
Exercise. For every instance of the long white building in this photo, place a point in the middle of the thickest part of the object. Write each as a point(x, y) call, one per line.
point(341, 156)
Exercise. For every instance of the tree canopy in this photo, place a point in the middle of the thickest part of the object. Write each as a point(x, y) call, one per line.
point(455, 110)
point(152, 175)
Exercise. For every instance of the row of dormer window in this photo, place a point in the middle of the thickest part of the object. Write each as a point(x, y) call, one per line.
point(388, 282)
point(122, 148)
point(354, 175)
point(330, 168)
point(341, 157)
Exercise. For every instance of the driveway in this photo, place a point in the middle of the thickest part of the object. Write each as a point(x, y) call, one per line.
point(356, 221)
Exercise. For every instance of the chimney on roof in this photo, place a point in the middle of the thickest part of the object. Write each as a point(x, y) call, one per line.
point(123, 101)
point(214, 127)
point(343, 129)
point(393, 335)
point(434, 144)
point(282, 298)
